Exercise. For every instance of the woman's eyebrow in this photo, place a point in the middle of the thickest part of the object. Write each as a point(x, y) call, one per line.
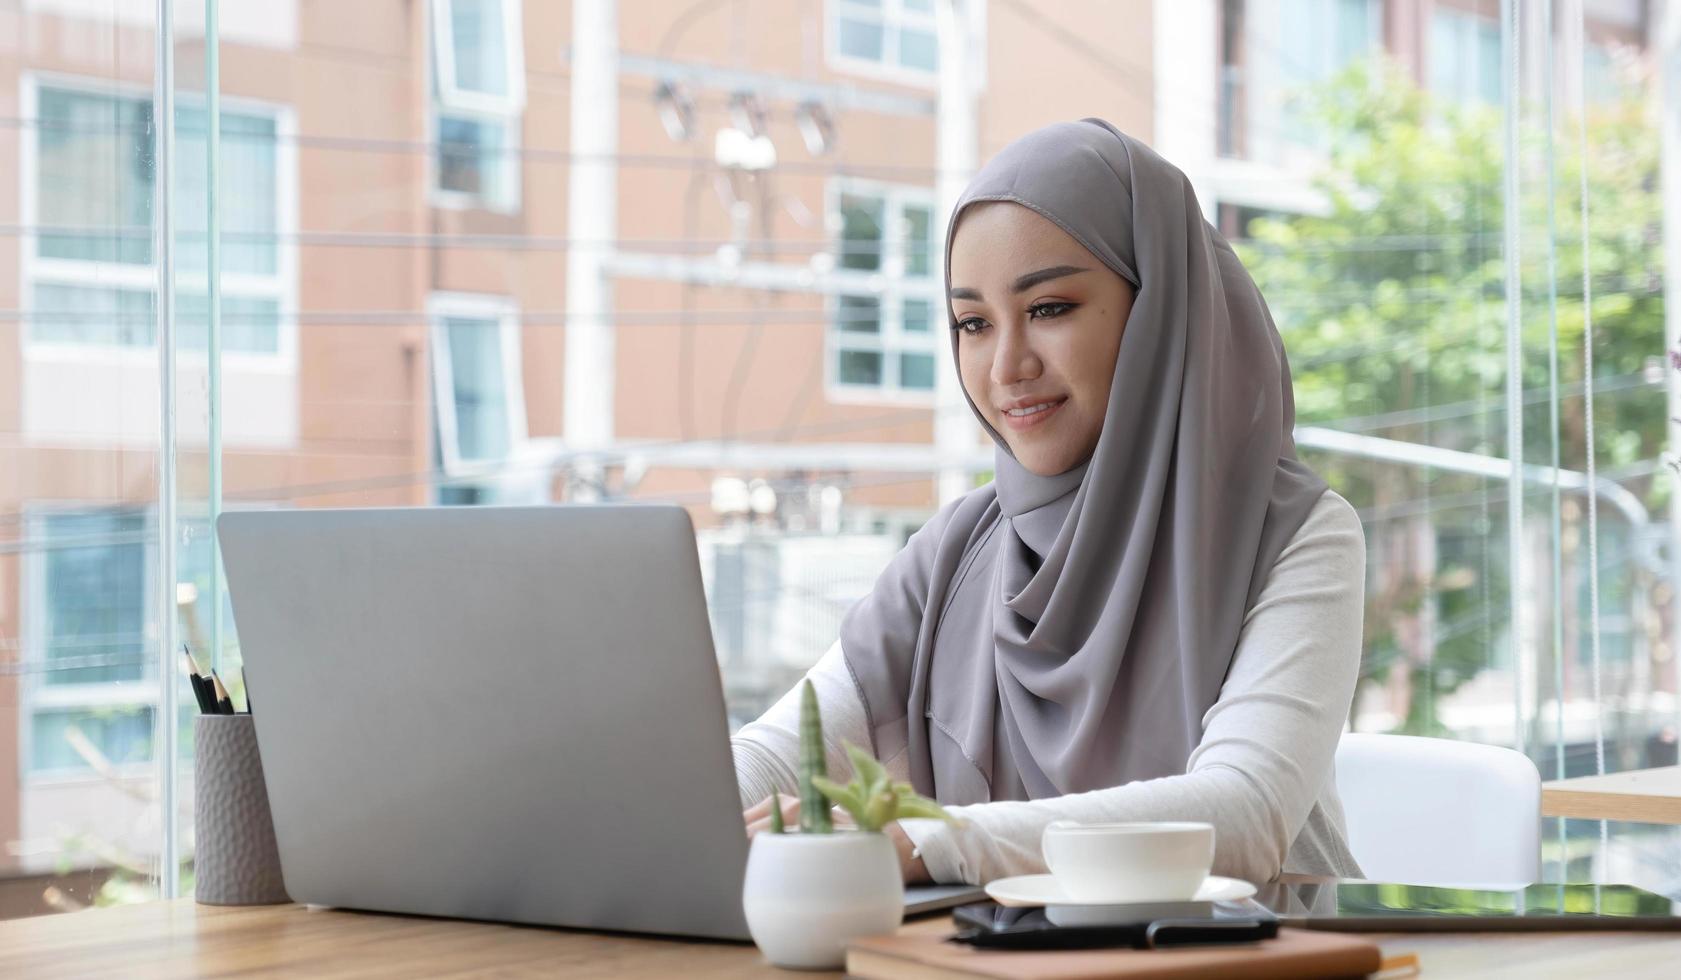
point(1024, 283)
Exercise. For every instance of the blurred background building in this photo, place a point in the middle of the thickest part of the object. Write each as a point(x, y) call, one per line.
point(503, 252)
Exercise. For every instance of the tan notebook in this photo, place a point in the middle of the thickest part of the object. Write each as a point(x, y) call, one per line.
point(925, 955)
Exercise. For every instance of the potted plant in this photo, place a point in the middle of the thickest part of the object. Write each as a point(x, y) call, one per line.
point(807, 894)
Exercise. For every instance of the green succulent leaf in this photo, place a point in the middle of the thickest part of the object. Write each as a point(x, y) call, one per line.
point(881, 810)
point(866, 770)
point(776, 813)
point(846, 797)
point(814, 813)
point(912, 804)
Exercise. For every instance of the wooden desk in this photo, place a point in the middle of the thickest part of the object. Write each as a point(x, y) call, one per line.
point(1642, 795)
point(183, 939)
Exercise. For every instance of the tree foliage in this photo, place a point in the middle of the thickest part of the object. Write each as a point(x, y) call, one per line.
point(1393, 306)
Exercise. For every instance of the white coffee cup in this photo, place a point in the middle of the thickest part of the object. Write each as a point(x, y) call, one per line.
point(1119, 863)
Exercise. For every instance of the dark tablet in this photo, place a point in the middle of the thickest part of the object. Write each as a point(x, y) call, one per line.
point(1377, 907)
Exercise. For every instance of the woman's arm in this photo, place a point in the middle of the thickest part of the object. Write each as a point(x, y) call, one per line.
point(1268, 743)
point(767, 751)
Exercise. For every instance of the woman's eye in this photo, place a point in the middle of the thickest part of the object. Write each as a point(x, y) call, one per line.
point(1039, 311)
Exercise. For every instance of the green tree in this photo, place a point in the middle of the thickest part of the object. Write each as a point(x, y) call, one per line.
point(1393, 303)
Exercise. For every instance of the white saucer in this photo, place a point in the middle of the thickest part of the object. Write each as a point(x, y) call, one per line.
point(1030, 890)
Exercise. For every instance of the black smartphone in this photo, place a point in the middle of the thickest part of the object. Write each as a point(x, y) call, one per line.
point(994, 926)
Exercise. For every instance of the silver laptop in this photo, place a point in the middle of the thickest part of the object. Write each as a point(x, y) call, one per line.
point(501, 713)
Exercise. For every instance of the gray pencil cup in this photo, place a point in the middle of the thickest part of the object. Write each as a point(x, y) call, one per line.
point(236, 861)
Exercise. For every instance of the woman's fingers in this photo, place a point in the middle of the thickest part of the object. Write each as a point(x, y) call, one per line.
point(757, 816)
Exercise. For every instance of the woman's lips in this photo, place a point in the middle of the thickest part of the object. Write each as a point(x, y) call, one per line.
point(1021, 423)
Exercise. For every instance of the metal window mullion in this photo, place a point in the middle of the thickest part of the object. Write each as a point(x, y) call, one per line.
point(213, 272)
point(164, 721)
point(1511, 234)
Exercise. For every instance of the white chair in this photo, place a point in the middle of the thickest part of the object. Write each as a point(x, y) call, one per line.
point(1429, 811)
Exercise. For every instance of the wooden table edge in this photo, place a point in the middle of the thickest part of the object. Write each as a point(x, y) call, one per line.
point(1584, 804)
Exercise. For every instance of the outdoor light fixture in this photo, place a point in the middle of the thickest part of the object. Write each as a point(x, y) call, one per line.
point(677, 110)
point(730, 495)
point(761, 498)
point(817, 127)
point(748, 113)
point(736, 148)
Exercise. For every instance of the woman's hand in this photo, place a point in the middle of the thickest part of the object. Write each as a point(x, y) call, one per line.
point(757, 818)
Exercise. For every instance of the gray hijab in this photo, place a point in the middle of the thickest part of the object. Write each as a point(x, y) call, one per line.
point(1051, 635)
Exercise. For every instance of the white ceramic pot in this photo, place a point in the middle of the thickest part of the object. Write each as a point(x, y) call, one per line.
point(807, 895)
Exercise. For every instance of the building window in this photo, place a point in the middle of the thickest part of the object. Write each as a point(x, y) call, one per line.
point(883, 314)
point(88, 631)
point(120, 734)
point(478, 102)
point(1464, 56)
point(1602, 80)
point(91, 278)
point(1289, 46)
point(477, 389)
point(894, 37)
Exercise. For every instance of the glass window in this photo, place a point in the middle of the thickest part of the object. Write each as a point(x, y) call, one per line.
point(250, 324)
point(474, 158)
point(919, 315)
point(478, 55)
point(94, 177)
point(884, 230)
point(1464, 56)
point(1289, 46)
point(861, 233)
point(93, 170)
point(919, 49)
point(1600, 81)
point(120, 734)
point(860, 314)
point(479, 97)
point(93, 597)
point(479, 388)
point(480, 401)
point(117, 317)
point(249, 198)
point(860, 367)
point(480, 48)
point(861, 39)
point(101, 315)
point(916, 371)
point(918, 219)
point(893, 34)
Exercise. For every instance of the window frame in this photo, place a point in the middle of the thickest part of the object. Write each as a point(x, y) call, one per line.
point(281, 286)
point(890, 287)
point(1272, 134)
point(894, 18)
point(1467, 28)
point(479, 306)
point(509, 200)
point(447, 92)
point(446, 98)
point(34, 694)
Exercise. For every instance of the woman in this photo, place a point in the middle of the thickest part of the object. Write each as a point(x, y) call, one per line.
point(1153, 612)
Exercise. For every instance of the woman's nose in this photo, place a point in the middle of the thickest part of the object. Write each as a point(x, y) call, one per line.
point(1014, 360)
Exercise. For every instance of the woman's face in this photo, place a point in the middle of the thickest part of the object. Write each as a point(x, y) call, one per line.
point(1039, 323)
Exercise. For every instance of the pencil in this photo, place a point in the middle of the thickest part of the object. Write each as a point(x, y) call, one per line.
point(201, 693)
point(224, 704)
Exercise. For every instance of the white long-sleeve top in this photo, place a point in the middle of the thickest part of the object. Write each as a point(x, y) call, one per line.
point(1261, 774)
